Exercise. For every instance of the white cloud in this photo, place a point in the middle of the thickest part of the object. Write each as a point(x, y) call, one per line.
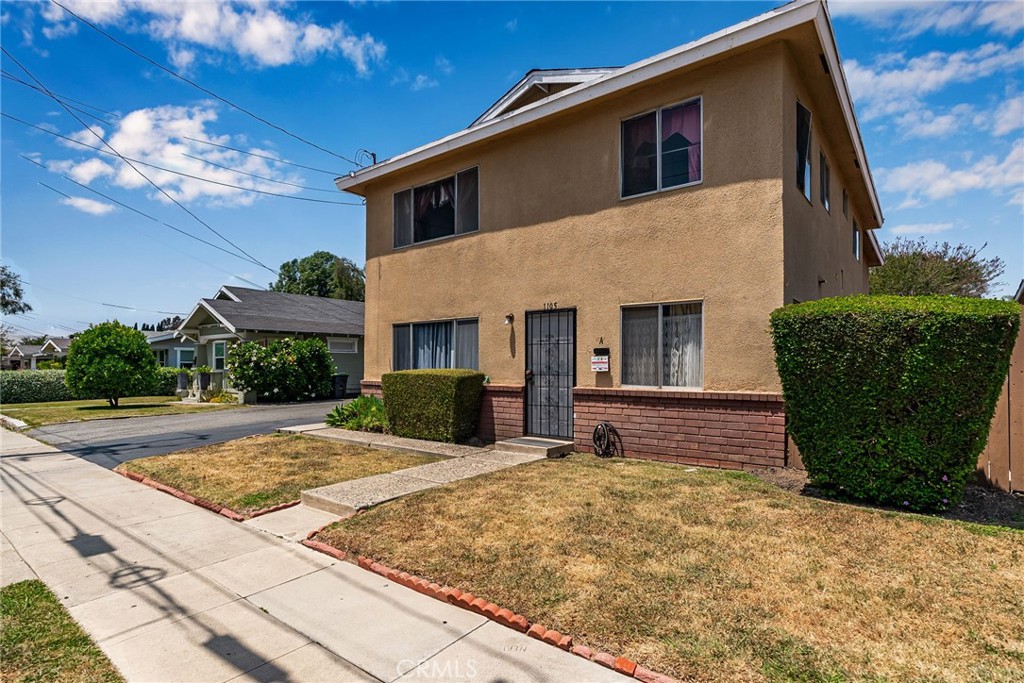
point(1009, 116)
point(422, 82)
point(895, 84)
point(260, 33)
point(909, 19)
point(158, 136)
point(934, 180)
point(90, 206)
point(444, 66)
point(921, 228)
point(511, 25)
point(400, 76)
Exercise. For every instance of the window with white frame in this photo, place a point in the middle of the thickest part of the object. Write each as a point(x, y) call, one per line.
point(443, 208)
point(161, 357)
point(220, 354)
point(440, 344)
point(663, 345)
point(824, 182)
point(662, 149)
point(343, 345)
point(186, 357)
point(803, 150)
point(856, 241)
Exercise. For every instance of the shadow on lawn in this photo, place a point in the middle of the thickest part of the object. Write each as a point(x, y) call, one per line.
point(125, 406)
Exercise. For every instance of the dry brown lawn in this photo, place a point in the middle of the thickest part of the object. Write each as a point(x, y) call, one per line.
point(260, 471)
point(716, 576)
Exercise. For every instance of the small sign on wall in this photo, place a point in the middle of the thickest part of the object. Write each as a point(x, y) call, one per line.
point(599, 364)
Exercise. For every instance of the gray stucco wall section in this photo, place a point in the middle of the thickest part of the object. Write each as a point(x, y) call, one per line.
point(352, 365)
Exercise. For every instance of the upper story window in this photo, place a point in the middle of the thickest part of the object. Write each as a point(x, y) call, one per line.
point(443, 208)
point(856, 241)
point(662, 149)
point(663, 345)
point(825, 182)
point(803, 150)
point(846, 204)
point(443, 344)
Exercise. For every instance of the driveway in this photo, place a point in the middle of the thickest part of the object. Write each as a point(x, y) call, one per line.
point(111, 442)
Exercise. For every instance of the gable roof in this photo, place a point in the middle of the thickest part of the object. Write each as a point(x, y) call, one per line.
point(24, 350)
point(547, 81)
point(56, 344)
point(240, 308)
point(762, 27)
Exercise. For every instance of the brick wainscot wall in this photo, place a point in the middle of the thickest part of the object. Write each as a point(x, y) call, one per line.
point(707, 428)
point(730, 430)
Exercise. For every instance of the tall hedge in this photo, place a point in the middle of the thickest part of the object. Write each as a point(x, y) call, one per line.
point(889, 398)
point(43, 386)
point(437, 405)
point(284, 370)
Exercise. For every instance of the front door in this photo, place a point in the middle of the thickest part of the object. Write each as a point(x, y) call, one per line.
point(550, 372)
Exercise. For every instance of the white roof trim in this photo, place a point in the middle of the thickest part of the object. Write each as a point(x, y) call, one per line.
point(209, 309)
point(224, 290)
point(49, 342)
point(540, 77)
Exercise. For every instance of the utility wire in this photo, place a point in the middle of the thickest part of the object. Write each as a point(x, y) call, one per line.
point(12, 77)
point(133, 167)
point(253, 175)
point(194, 177)
point(333, 174)
point(201, 88)
point(78, 109)
point(101, 303)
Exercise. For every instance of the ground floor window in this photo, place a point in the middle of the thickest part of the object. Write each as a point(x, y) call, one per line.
point(442, 344)
point(161, 357)
point(186, 358)
point(663, 345)
point(220, 353)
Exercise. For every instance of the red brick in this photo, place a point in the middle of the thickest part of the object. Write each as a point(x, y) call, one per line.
point(582, 651)
point(605, 659)
point(519, 623)
point(624, 666)
point(364, 562)
point(648, 676)
point(536, 631)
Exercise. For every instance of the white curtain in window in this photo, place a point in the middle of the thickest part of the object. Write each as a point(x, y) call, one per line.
point(432, 345)
point(640, 346)
point(682, 355)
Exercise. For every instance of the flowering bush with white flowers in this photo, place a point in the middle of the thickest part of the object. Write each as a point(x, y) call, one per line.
point(283, 369)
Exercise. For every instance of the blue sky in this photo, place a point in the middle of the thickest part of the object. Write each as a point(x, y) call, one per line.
point(938, 89)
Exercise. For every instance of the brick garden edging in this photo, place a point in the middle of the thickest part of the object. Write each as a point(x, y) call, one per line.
point(505, 617)
point(202, 502)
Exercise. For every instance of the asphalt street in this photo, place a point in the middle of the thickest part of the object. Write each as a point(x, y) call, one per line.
point(110, 442)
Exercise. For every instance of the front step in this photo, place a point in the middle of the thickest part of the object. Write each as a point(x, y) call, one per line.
point(536, 445)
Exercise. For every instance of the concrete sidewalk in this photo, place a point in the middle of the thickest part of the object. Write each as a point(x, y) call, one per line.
point(172, 592)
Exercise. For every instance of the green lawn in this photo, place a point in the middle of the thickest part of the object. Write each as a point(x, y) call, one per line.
point(41, 642)
point(39, 414)
point(716, 576)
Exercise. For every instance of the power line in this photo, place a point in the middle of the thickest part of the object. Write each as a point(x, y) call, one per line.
point(134, 168)
point(253, 175)
point(201, 88)
point(195, 177)
point(333, 174)
point(11, 77)
point(101, 303)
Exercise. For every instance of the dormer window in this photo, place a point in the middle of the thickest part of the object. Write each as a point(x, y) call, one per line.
point(443, 208)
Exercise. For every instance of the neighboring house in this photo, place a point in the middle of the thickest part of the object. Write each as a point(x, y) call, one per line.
point(241, 314)
point(54, 348)
point(170, 350)
point(21, 357)
point(608, 244)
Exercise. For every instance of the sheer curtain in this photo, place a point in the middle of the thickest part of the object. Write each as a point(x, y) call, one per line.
point(639, 155)
point(680, 144)
point(432, 345)
point(682, 355)
point(640, 346)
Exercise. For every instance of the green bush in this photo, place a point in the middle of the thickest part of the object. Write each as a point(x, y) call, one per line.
point(363, 414)
point(111, 361)
point(283, 370)
point(890, 398)
point(166, 382)
point(33, 386)
point(56, 364)
point(439, 405)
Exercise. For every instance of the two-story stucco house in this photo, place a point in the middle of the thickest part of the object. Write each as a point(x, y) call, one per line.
point(607, 244)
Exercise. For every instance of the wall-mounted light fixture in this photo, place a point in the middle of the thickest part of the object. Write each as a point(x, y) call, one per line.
point(510, 318)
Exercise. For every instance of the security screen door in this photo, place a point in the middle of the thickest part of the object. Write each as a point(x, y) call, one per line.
point(550, 372)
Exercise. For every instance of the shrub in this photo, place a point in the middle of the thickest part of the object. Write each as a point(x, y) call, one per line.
point(224, 397)
point(439, 405)
point(364, 414)
point(55, 364)
point(33, 386)
point(890, 398)
point(166, 382)
point(284, 370)
point(110, 361)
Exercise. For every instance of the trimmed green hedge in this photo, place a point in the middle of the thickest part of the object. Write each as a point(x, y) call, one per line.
point(44, 386)
point(33, 386)
point(438, 405)
point(890, 398)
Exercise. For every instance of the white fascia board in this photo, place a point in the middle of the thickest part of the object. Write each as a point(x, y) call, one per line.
point(224, 290)
point(202, 305)
point(738, 35)
point(542, 77)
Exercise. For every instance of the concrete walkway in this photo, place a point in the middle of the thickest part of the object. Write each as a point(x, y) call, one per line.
point(172, 592)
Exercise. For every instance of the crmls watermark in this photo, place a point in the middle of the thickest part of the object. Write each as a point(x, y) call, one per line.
point(433, 670)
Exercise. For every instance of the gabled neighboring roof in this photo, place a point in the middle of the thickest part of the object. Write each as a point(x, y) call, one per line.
point(55, 345)
point(153, 336)
point(764, 26)
point(243, 309)
point(540, 83)
point(24, 350)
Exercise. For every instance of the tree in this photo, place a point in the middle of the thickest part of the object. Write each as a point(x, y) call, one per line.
point(322, 274)
point(110, 361)
point(168, 324)
point(12, 296)
point(34, 341)
point(915, 267)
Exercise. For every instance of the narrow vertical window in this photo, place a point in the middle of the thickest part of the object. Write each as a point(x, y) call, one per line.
point(467, 193)
point(803, 150)
point(467, 344)
point(401, 348)
point(403, 218)
point(846, 204)
point(219, 354)
point(640, 155)
point(680, 144)
point(825, 182)
point(856, 241)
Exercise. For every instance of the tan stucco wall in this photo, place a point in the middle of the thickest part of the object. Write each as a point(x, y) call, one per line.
point(819, 244)
point(553, 230)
